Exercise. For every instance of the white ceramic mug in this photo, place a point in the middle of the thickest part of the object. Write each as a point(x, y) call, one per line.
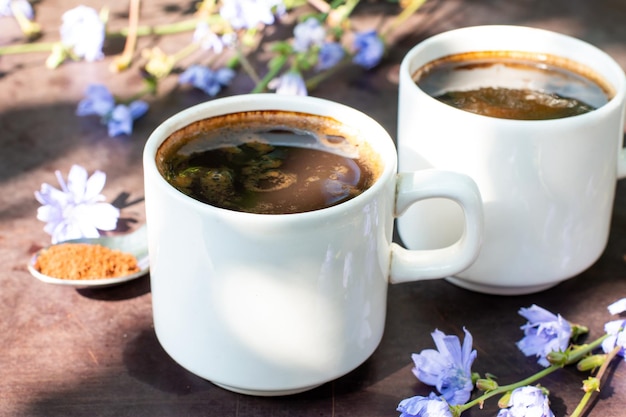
point(547, 185)
point(273, 304)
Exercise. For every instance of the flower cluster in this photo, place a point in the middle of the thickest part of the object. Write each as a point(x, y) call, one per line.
point(546, 335)
point(223, 33)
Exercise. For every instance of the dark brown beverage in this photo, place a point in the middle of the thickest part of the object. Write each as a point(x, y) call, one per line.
point(514, 85)
point(268, 162)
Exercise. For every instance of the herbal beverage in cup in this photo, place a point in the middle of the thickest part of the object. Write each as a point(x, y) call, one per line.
point(515, 85)
point(271, 162)
point(270, 222)
point(536, 118)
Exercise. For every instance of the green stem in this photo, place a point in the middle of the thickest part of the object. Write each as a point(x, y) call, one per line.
point(150, 88)
point(588, 393)
point(578, 353)
point(186, 51)
point(405, 14)
point(247, 66)
point(315, 80)
point(582, 404)
point(572, 357)
point(505, 388)
point(26, 48)
point(166, 29)
point(277, 65)
point(349, 7)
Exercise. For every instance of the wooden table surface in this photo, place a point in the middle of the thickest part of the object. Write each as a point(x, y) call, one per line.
point(68, 352)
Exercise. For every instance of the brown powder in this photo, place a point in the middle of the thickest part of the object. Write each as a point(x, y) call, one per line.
point(85, 261)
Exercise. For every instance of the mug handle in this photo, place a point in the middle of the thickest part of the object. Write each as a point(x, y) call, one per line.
point(415, 265)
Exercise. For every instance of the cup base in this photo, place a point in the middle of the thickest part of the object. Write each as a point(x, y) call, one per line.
point(266, 393)
point(499, 290)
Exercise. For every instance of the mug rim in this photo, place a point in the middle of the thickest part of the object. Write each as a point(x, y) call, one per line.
point(371, 131)
point(614, 74)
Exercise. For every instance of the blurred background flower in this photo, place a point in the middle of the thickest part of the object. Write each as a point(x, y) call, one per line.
point(118, 117)
point(223, 35)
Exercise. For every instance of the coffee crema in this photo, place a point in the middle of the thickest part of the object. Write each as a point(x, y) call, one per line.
point(514, 85)
point(268, 162)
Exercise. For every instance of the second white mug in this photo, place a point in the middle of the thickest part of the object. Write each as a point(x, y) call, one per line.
point(547, 185)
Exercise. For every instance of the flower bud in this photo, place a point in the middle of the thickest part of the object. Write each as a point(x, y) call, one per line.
point(486, 384)
point(578, 330)
point(159, 64)
point(590, 362)
point(591, 384)
point(557, 358)
point(476, 377)
point(57, 56)
point(504, 401)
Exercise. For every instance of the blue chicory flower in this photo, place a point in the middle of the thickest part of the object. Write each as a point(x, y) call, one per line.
point(247, 14)
point(618, 307)
point(290, 84)
point(418, 406)
point(307, 34)
point(545, 332)
point(205, 79)
point(527, 402)
point(120, 120)
point(448, 368)
point(330, 54)
point(82, 31)
point(76, 210)
point(369, 49)
point(24, 7)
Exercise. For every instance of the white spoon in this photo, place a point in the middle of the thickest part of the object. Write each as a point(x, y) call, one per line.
point(135, 243)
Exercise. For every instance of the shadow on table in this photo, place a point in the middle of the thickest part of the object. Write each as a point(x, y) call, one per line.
point(124, 291)
point(151, 384)
point(154, 385)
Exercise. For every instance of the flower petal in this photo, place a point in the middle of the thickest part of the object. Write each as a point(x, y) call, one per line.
point(94, 186)
point(527, 401)
point(76, 183)
point(418, 406)
point(121, 121)
point(330, 54)
point(448, 368)
point(618, 307)
point(535, 314)
point(83, 31)
point(545, 332)
point(98, 101)
point(370, 49)
point(138, 108)
point(102, 216)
